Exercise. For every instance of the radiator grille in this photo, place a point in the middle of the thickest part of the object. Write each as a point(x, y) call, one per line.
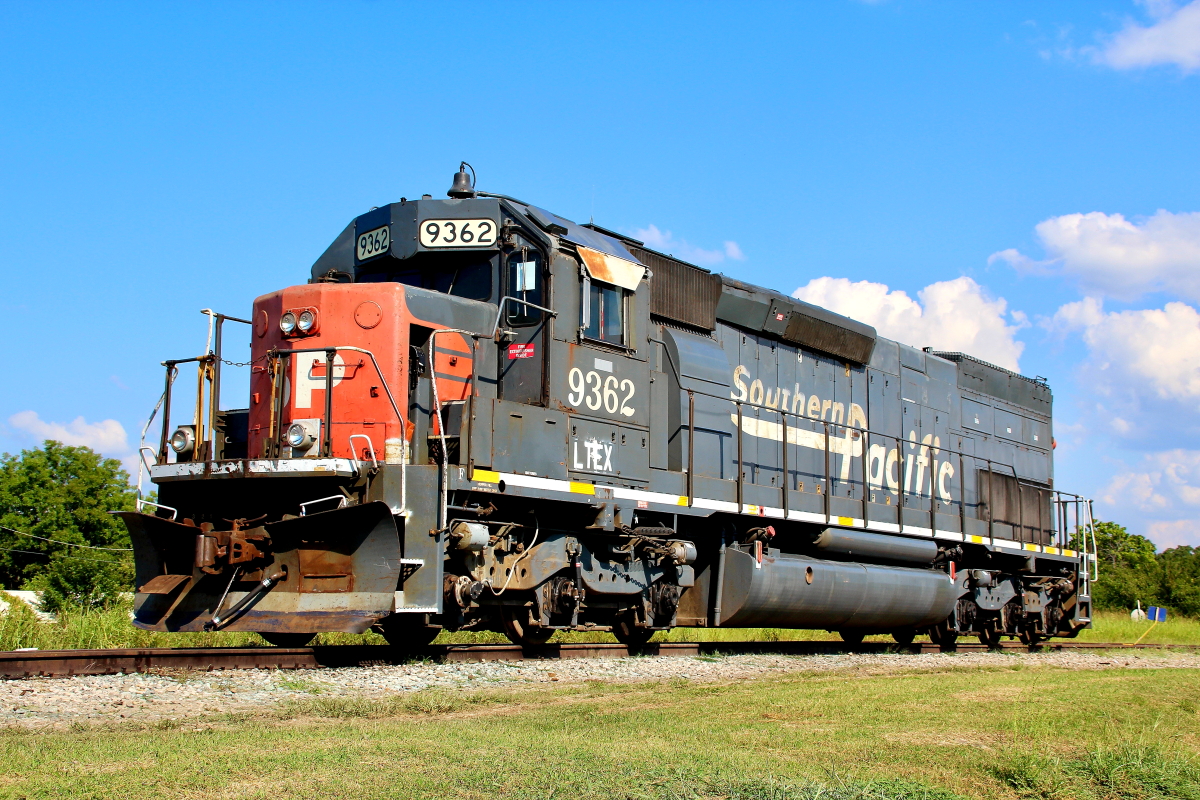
point(1024, 506)
point(681, 292)
point(828, 337)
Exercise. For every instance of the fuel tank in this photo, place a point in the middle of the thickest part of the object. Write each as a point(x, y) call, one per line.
point(790, 591)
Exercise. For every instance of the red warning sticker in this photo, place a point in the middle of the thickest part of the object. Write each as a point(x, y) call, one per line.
point(520, 351)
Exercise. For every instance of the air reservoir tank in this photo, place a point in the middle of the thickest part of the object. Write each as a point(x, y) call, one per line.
point(856, 545)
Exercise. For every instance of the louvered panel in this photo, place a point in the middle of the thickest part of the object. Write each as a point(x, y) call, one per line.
point(681, 292)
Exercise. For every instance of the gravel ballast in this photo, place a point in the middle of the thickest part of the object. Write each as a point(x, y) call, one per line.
point(59, 702)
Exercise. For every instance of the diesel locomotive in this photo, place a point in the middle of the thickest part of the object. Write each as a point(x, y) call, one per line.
point(478, 415)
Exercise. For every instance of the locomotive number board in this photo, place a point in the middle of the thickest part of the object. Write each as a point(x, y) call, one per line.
point(372, 243)
point(458, 233)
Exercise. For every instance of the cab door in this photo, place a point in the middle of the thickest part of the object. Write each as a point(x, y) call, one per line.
point(522, 368)
point(604, 383)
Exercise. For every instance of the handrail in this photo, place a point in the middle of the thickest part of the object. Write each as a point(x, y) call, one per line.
point(174, 511)
point(275, 364)
point(141, 454)
point(444, 493)
point(500, 312)
point(691, 467)
point(445, 465)
point(370, 447)
point(328, 394)
point(339, 497)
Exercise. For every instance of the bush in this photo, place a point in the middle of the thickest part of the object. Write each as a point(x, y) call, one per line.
point(54, 497)
point(94, 582)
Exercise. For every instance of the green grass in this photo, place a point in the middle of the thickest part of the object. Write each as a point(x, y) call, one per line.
point(111, 627)
point(1001, 733)
point(1129, 770)
point(1116, 626)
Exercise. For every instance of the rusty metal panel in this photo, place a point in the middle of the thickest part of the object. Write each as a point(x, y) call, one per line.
point(611, 269)
point(164, 584)
point(340, 570)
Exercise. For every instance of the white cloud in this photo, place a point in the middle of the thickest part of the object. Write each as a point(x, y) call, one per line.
point(1160, 496)
point(1173, 39)
point(107, 436)
point(1153, 352)
point(952, 315)
point(1165, 482)
point(666, 242)
point(1174, 533)
point(1111, 255)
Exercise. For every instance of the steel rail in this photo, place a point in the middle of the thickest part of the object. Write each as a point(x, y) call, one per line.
point(67, 663)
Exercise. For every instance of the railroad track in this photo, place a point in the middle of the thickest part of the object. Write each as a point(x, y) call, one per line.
point(65, 663)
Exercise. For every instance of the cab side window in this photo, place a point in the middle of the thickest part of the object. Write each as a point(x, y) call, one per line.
point(603, 312)
point(523, 282)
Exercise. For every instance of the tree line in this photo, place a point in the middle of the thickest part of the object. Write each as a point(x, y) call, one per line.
point(57, 537)
point(1132, 571)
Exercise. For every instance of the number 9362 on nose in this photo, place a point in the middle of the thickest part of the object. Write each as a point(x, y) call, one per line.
point(457, 233)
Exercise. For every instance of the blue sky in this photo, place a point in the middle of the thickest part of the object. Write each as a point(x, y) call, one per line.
point(1017, 180)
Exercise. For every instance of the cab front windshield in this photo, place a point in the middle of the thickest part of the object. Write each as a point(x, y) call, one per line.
point(467, 275)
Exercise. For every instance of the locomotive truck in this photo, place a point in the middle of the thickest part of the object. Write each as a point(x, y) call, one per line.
point(478, 415)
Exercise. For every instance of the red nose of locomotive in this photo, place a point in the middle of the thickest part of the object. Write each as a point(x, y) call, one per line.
point(328, 373)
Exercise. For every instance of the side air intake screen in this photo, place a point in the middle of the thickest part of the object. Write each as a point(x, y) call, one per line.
point(680, 292)
point(1014, 502)
point(830, 337)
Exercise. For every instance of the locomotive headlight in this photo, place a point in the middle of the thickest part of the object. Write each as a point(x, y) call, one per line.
point(307, 321)
point(303, 434)
point(287, 323)
point(183, 441)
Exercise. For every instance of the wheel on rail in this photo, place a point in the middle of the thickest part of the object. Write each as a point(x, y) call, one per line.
point(407, 630)
point(852, 638)
point(519, 631)
point(990, 638)
point(942, 636)
point(904, 637)
point(1030, 638)
point(287, 639)
point(629, 634)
